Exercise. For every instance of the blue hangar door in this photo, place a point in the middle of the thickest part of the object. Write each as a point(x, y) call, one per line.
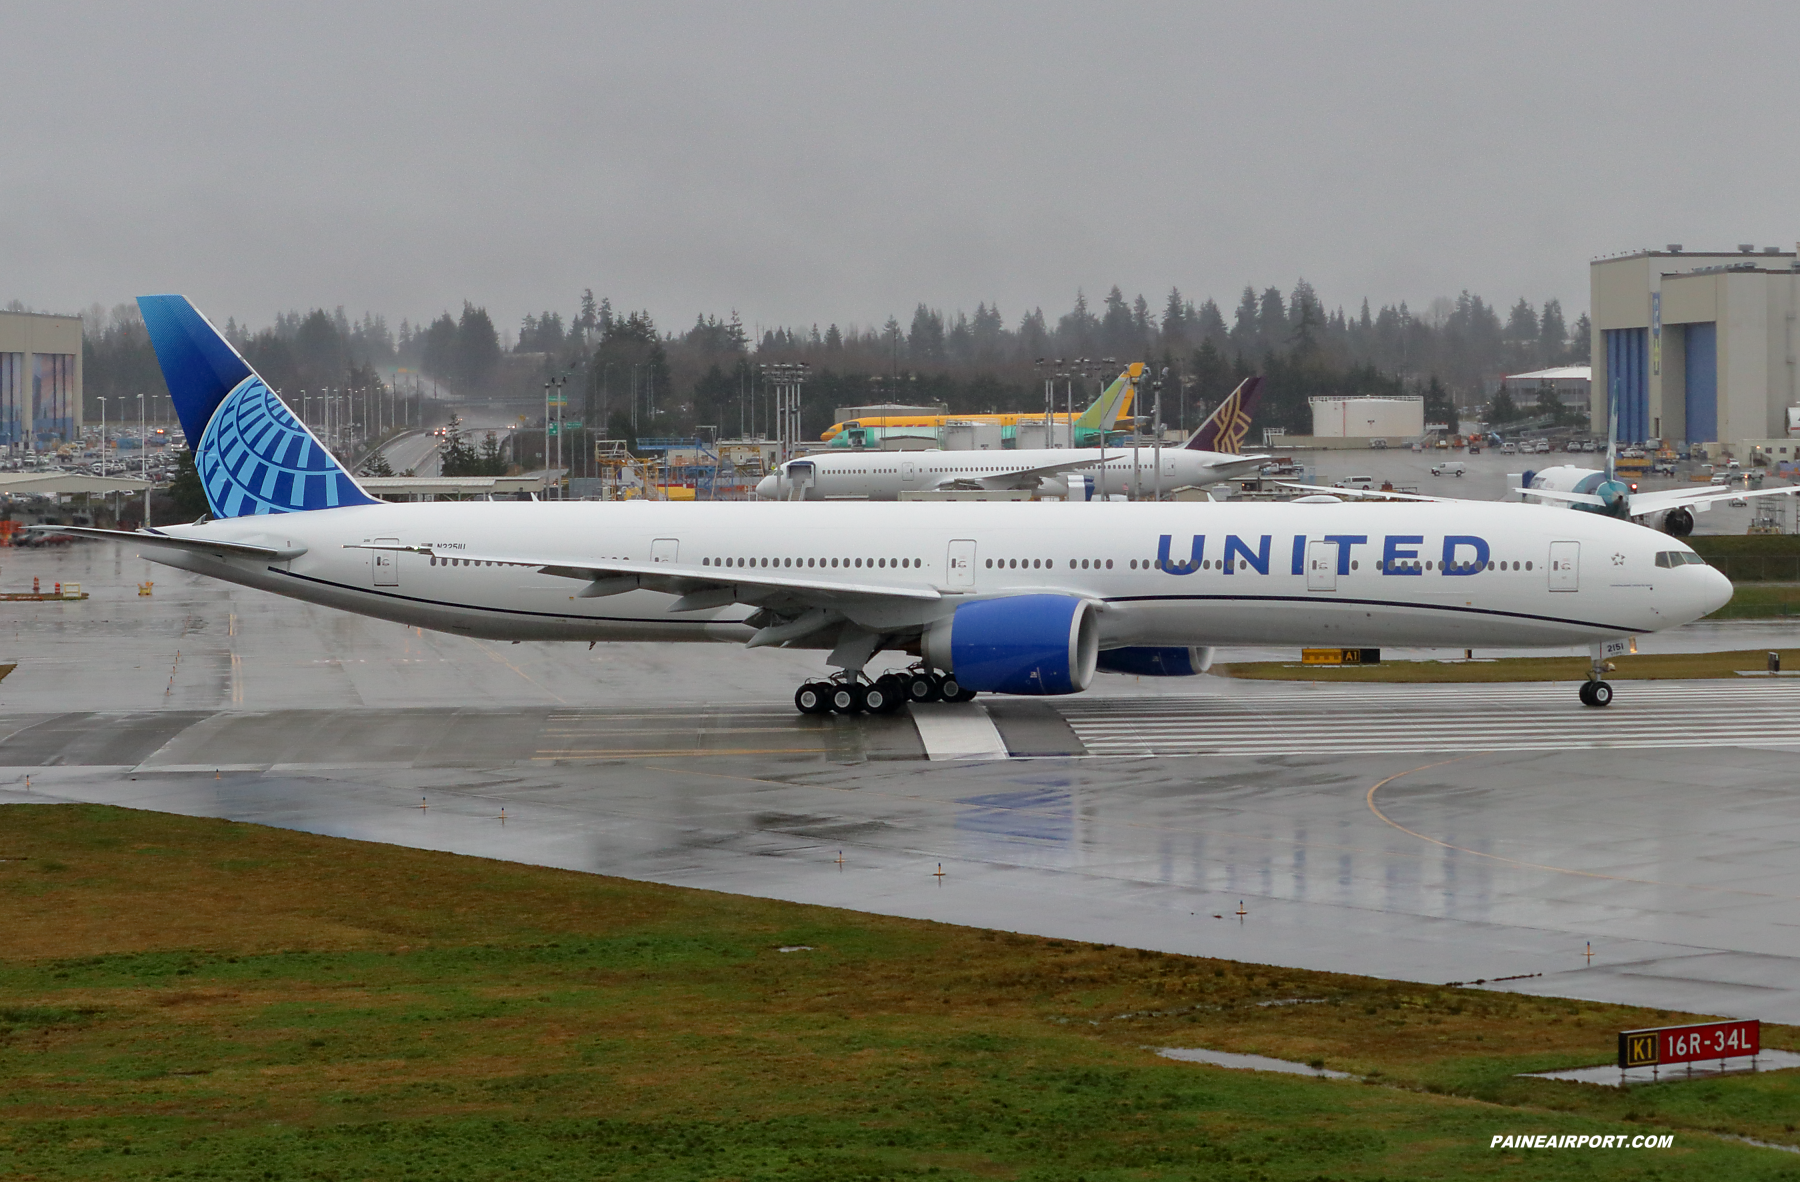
point(1703, 382)
point(1628, 382)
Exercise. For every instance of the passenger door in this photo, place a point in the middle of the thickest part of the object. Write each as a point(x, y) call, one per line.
point(384, 566)
point(906, 471)
point(1565, 566)
point(665, 550)
point(959, 564)
point(1321, 566)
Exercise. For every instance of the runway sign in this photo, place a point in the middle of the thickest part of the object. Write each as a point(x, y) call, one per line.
point(1663, 1045)
point(1340, 656)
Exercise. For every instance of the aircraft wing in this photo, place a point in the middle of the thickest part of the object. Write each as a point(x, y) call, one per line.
point(1229, 466)
point(1370, 493)
point(609, 577)
point(793, 606)
point(1677, 498)
point(1573, 498)
point(1026, 477)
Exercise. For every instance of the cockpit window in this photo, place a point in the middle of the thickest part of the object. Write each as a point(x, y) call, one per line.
point(1673, 558)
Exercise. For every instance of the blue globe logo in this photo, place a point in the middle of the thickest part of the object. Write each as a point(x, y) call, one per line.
point(255, 458)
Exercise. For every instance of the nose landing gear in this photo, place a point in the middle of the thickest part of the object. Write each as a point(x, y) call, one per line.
point(1595, 691)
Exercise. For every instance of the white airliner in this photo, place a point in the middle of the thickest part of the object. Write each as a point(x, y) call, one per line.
point(1071, 474)
point(1670, 510)
point(1003, 597)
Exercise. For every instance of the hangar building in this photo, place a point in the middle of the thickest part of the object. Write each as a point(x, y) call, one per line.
point(40, 380)
point(1365, 418)
point(1698, 347)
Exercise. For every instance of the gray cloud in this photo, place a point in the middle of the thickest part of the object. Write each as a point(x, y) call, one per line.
point(808, 163)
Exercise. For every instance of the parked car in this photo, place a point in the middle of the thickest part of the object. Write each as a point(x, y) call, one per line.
point(1509, 449)
point(1543, 447)
point(1589, 445)
point(1378, 444)
point(1449, 468)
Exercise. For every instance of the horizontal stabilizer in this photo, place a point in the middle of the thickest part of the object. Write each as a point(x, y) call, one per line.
point(146, 537)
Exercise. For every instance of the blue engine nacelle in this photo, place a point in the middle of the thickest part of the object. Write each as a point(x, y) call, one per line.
point(1157, 662)
point(1019, 644)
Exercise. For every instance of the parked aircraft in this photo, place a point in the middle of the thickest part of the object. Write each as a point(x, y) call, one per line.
point(1090, 426)
point(1602, 492)
point(1074, 474)
point(1003, 597)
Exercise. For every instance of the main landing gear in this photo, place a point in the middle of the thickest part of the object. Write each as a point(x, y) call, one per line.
point(847, 693)
point(1595, 691)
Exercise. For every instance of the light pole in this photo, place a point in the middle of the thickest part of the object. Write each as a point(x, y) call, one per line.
point(785, 380)
point(561, 401)
point(1156, 427)
point(144, 453)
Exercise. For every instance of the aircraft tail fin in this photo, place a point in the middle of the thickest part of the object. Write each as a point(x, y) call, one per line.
point(1105, 410)
point(253, 455)
point(1229, 425)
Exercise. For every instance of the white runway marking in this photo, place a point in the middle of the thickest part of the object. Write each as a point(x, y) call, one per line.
point(1380, 719)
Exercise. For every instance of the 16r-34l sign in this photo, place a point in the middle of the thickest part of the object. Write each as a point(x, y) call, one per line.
point(1663, 1045)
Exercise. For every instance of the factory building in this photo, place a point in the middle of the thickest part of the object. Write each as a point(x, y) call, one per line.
point(40, 381)
point(1698, 348)
point(1570, 385)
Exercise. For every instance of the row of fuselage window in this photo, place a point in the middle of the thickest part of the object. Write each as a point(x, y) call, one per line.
point(1049, 563)
point(1074, 564)
point(878, 563)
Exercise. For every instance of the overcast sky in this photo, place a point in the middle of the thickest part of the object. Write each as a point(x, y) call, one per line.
point(844, 162)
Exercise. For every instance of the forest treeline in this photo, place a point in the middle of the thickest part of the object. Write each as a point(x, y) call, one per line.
point(628, 376)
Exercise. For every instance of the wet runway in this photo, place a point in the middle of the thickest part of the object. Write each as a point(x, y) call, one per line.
point(1431, 833)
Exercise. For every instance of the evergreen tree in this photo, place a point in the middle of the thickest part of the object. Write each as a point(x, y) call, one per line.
point(1580, 342)
point(1175, 321)
point(1553, 334)
point(1271, 320)
point(1209, 325)
point(477, 349)
point(185, 488)
point(1243, 327)
point(1439, 406)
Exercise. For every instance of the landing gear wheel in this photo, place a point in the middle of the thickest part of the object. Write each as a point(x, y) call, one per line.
point(922, 687)
point(884, 696)
point(813, 698)
point(1596, 693)
point(953, 691)
point(847, 698)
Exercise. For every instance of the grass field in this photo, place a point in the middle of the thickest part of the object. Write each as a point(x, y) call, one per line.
point(185, 998)
point(1758, 601)
point(1642, 667)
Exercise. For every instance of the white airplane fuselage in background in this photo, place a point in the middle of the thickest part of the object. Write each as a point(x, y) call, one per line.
point(1196, 574)
point(1077, 474)
point(1669, 510)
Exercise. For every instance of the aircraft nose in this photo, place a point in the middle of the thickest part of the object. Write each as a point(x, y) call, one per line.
point(1717, 591)
point(765, 488)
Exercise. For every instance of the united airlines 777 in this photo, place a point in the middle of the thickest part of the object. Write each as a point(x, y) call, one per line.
point(1012, 598)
